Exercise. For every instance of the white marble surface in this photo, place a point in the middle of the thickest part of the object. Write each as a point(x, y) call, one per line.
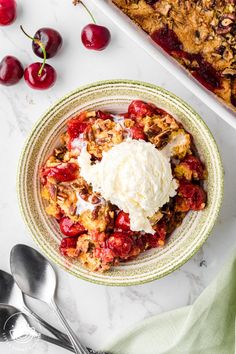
point(99, 313)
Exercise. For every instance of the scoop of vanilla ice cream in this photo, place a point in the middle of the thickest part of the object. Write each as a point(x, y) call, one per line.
point(134, 176)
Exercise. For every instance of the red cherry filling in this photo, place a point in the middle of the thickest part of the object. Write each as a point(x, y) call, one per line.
point(204, 73)
point(76, 126)
point(195, 196)
point(137, 133)
point(140, 109)
point(70, 228)
point(167, 39)
point(195, 165)
point(122, 221)
point(207, 76)
point(7, 12)
point(103, 115)
point(158, 239)
point(190, 168)
point(105, 254)
point(233, 100)
point(120, 243)
point(151, 2)
point(68, 246)
point(63, 172)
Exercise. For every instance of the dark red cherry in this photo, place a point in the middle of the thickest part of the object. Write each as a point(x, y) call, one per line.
point(95, 37)
point(103, 115)
point(140, 109)
point(68, 246)
point(11, 71)
point(70, 228)
point(194, 194)
point(151, 2)
point(167, 39)
point(233, 100)
point(40, 82)
point(120, 243)
point(137, 133)
point(7, 12)
point(207, 76)
point(51, 40)
point(63, 172)
point(75, 127)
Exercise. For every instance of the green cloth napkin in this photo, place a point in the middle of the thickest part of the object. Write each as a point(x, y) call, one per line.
point(206, 327)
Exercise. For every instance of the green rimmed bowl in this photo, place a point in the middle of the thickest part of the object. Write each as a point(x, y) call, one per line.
point(115, 95)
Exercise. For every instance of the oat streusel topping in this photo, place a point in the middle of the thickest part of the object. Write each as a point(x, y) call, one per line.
point(200, 34)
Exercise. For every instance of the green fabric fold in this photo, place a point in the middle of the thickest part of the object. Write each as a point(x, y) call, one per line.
point(206, 327)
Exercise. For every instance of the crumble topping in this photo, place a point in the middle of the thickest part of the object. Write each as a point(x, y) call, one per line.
point(200, 34)
point(96, 229)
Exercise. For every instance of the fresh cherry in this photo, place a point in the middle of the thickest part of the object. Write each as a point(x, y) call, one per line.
point(11, 71)
point(39, 76)
point(40, 79)
point(51, 40)
point(95, 37)
point(70, 228)
point(7, 12)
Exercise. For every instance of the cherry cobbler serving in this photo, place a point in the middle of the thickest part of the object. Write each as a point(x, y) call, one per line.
point(120, 184)
point(199, 34)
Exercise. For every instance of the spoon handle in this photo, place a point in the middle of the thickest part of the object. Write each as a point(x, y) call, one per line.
point(65, 345)
point(60, 335)
point(61, 340)
point(79, 349)
point(56, 342)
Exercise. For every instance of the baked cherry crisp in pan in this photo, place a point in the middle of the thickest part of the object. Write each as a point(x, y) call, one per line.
point(199, 34)
point(119, 185)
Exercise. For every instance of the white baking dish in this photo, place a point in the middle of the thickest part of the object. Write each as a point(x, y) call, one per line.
point(165, 60)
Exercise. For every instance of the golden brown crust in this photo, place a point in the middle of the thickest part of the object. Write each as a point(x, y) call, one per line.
point(206, 27)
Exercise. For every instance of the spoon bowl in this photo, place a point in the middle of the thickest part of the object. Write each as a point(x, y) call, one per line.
point(36, 278)
point(10, 294)
point(14, 325)
point(33, 273)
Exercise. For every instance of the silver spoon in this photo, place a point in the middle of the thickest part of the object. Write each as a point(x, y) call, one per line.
point(11, 294)
point(14, 326)
point(36, 278)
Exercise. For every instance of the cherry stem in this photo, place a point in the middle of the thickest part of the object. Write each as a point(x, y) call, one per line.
point(41, 46)
point(88, 11)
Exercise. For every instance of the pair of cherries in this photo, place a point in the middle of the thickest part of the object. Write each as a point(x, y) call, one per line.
point(46, 43)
